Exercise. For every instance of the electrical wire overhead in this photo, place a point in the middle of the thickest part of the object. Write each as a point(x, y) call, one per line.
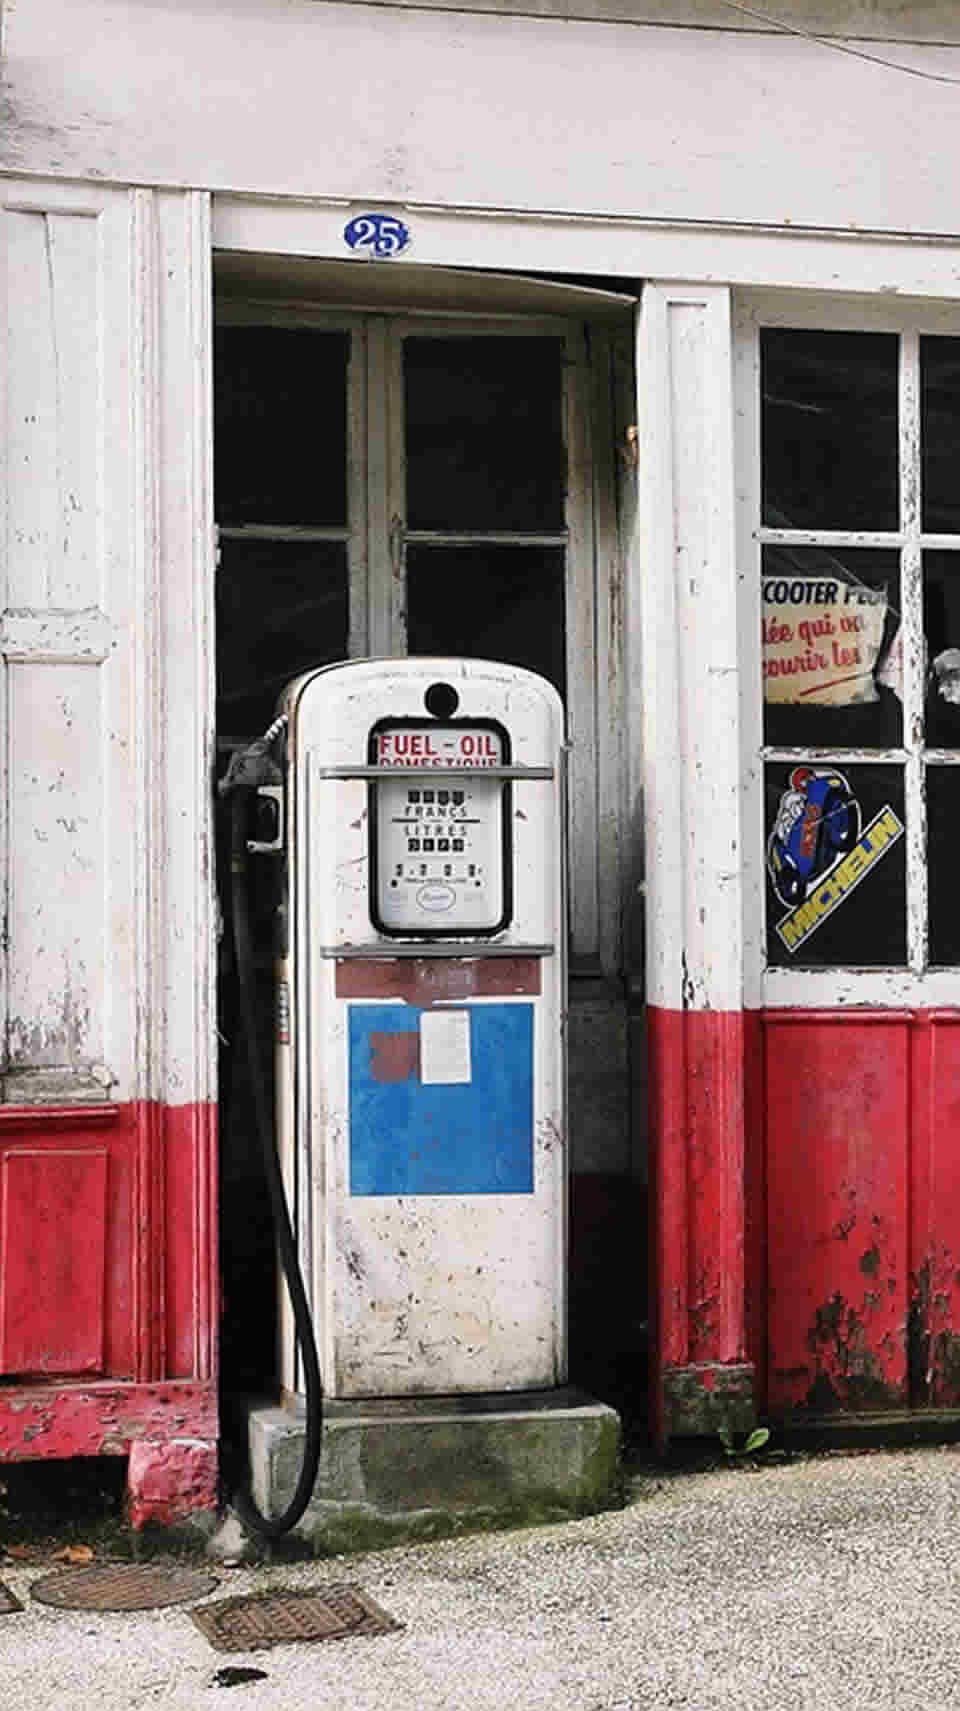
point(838, 47)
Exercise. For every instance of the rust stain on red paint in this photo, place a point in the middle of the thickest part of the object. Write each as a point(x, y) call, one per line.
point(851, 1372)
point(394, 1057)
point(933, 1332)
point(66, 1420)
point(946, 1368)
point(703, 1314)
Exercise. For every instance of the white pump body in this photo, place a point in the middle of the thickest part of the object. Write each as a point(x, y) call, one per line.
point(420, 998)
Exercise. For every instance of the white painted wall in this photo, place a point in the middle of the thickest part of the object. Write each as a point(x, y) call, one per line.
point(517, 142)
point(107, 577)
point(682, 660)
point(506, 112)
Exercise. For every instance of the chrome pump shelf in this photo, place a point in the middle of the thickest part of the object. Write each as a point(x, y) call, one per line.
point(462, 948)
point(436, 774)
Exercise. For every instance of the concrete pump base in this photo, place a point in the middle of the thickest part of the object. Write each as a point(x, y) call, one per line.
point(428, 1467)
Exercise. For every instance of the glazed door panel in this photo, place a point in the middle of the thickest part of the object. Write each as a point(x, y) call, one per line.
point(853, 792)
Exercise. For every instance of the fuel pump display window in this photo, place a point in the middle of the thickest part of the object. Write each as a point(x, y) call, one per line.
point(440, 846)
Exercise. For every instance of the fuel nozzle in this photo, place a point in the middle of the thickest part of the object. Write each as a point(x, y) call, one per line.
point(256, 765)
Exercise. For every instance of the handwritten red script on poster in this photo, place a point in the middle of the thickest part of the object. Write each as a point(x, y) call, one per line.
point(821, 640)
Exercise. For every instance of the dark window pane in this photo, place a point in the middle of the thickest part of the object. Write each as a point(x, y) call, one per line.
point(502, 603)
point(831, 677)
point(282, 606)
point(280, 400)
point(829, 430)
point(836, 865)
point(941, 624)
point(943, 832)
point(484, 433)
point(940, 434)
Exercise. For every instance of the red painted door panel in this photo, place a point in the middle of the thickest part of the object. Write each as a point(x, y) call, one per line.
point(53, 1224)
point(933, 1325)
point(838, 1119)
point(68, 1242)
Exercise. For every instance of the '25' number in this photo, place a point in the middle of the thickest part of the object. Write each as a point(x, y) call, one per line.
point(379, 234)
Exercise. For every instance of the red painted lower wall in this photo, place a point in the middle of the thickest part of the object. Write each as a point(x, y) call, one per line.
point(863, 1210)
point(805, 1194)
point(108, 1292)
point(697, 1186)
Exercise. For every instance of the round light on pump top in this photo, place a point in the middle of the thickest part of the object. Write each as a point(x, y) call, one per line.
point(442, 700)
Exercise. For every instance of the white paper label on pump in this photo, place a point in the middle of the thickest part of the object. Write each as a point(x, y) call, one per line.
point(445, 1047)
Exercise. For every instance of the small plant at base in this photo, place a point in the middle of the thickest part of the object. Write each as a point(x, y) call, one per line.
point(756, 1440)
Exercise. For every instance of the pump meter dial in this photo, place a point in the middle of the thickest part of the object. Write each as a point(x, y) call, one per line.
point(439, 846)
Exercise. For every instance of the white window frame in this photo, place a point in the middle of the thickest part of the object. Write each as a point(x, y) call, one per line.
point(916, 984)
point(377, 537)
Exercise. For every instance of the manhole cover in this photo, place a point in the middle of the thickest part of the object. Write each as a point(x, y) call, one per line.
point(9, 1602)
point(248, 1624)
point(122, 1586)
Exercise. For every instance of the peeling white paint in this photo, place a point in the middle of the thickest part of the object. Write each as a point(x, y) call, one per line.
point(731, 125)
point(104, 621)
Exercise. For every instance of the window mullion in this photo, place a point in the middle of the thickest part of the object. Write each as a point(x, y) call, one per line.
point(581, 642)
point(395, 399)
point(912, 649)
point(916, 864)
point(280, 532)
point(482, 538)
point(384, 481)
point(357, 547)
point(829, 537)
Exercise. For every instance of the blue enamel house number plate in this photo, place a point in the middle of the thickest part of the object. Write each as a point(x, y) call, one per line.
point(378, 235)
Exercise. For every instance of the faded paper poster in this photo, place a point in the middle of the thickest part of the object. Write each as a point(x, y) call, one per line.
point(822, 639)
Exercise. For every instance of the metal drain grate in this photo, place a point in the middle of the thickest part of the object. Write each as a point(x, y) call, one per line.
point(251, 1623)
point(122, 1586)
point(9, 1602)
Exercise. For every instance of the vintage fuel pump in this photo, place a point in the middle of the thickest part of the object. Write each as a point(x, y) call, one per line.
point(420, 997)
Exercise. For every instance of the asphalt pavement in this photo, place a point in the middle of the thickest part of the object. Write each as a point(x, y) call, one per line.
point(831, 1582)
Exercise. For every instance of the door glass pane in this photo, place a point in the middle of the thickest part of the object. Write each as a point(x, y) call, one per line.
point(831, 671)
point(943, 833)
point(836, 865)
point(829, 429)
point(940, 429)
point(941, 627)
point(503, 603)
point(280, 444)
point(282, 607)
point(484, 433)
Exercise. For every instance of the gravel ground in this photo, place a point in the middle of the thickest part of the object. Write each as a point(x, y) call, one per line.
point(831, 1583)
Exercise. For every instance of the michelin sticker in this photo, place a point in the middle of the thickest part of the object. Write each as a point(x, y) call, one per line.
point(817, 853)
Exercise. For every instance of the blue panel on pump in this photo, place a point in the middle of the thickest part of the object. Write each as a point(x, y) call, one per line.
point(441, 1100)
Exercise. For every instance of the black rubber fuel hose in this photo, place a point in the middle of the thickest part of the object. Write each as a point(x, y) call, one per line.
point(272, 1527)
